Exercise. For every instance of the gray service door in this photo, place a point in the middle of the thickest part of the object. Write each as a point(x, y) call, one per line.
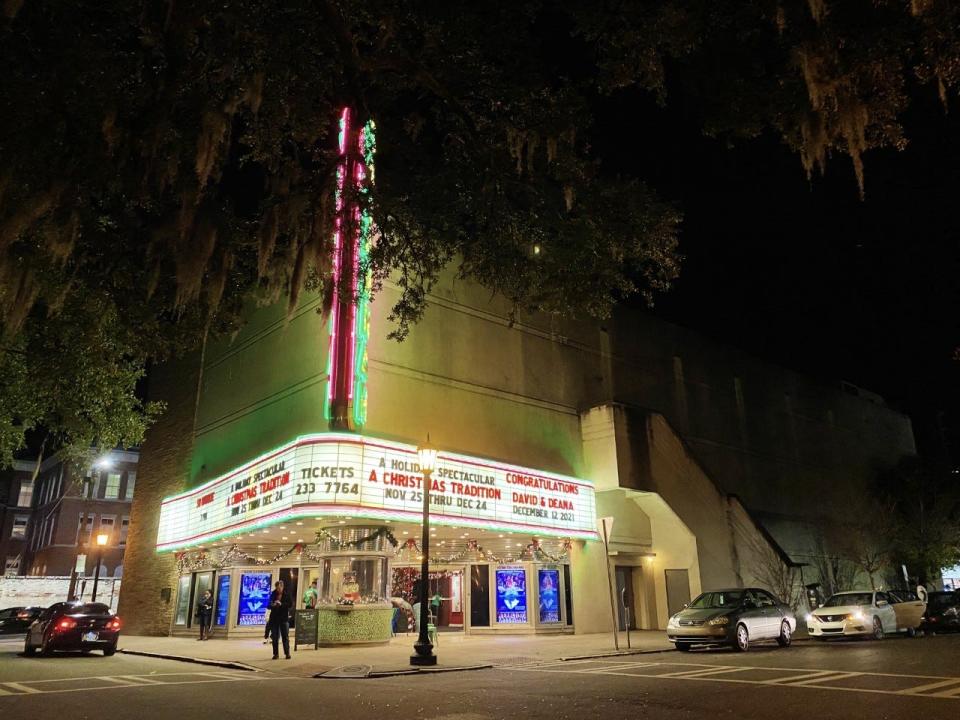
point(678, 590)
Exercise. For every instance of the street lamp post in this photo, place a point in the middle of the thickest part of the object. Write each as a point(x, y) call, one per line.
point(423, 647)
point(101, 542)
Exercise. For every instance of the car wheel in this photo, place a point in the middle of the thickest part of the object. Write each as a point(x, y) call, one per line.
point(877, 629)
point(742, 641)
point(28, 649)
point(911, 632)
point(786, 635)
point(108, 651)
point(683, 647)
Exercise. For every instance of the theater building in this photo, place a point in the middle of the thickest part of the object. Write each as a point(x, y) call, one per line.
point(289, 451)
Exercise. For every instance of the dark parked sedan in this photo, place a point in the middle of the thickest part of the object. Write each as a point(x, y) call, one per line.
point(943, 612)
point(17, 619)
point(736, 617)
point(74, 626)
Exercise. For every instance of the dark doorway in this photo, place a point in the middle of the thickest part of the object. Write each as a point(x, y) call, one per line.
point(626, 613)
point(480, 595)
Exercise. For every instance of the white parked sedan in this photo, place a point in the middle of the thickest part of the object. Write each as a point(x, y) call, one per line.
point(864, 612)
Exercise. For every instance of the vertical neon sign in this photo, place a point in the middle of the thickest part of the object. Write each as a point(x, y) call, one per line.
point(346, 399)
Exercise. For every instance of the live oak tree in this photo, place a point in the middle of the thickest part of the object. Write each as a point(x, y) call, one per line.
point(163, 162)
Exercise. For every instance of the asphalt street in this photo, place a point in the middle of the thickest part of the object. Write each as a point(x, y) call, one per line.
point(895, 678)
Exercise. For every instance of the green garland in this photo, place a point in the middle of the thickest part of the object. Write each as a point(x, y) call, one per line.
point(336, 544)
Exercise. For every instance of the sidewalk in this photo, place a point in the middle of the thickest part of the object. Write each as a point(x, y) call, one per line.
point(454, 651)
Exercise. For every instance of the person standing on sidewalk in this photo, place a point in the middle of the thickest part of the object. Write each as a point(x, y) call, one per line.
point(310, 596)
point(279, 621)
point(205, 614)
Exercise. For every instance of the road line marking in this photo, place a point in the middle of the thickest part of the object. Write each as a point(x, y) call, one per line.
point(601, 671)
point(119, 680)
point(5, 692)
point(951, 693)
point(789, 678)
point(828, 678)
point(693, 674)
point(24, 689)
point(931, 686)
point(141, 680)
point(132, 687)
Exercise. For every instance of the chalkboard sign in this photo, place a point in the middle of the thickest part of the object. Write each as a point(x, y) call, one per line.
point(305, 628)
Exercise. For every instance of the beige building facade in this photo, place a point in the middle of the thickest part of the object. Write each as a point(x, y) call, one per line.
point(699, 453)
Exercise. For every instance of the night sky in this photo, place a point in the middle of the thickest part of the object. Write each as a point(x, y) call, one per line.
point(805, 273)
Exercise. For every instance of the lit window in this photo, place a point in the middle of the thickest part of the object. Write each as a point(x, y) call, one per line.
point(131, 483)
point(19, 526)
point(12, 566)
point(26, 494)
point(124, 527)
point(112, 491)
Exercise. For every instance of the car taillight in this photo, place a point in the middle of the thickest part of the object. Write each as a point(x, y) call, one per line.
point(114, 624)
point(66, 624)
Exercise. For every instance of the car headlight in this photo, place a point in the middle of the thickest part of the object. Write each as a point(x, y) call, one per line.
point(673, 622)
point(719, 620)
point(858, 616)
point(810, 617)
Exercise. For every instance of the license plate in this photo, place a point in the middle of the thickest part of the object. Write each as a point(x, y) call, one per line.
point(90, 637)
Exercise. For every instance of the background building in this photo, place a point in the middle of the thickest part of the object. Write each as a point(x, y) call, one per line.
point(58, 515)
point(16, 501)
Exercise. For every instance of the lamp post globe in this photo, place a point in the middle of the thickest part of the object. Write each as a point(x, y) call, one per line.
point(102, 540)
point(423, 648)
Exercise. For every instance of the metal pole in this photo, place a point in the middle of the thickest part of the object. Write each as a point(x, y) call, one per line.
point(423, 646)
point(626, 614)
point(613, 603)
point(96, 574)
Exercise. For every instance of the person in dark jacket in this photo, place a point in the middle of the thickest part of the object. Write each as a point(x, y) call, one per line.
point(279, 621)
point(205, 614)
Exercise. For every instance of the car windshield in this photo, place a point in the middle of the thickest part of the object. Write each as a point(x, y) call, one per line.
point(849, 599)
point(725, 599)
point(90, 609)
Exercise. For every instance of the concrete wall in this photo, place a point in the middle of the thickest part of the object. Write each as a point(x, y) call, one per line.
point(32, 591)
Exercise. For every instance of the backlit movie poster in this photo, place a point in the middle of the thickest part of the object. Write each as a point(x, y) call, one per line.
point(254, 599)
point(549, 595)
point(511, 595)
point(223, 599)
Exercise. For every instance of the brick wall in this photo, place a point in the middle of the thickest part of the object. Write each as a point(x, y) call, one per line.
point(34, 591)
point(164, 464)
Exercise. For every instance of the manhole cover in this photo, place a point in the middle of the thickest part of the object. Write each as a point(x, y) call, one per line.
point(349, 671)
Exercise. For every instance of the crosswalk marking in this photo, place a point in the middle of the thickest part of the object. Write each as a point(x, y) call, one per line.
point(127, 682)
point(828, 678)
point(119, 680)
point(930, 686)
point(949, 688)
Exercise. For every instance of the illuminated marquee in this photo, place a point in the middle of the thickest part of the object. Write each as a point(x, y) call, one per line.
point(339, 474)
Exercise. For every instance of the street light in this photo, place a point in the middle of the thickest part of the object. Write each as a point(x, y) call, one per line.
point(423, 647)
point(101, 542)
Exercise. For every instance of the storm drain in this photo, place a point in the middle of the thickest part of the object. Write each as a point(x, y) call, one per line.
point(515, 660)
point(348, 671)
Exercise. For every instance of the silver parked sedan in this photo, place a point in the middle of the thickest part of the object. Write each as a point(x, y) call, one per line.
point(737, 617)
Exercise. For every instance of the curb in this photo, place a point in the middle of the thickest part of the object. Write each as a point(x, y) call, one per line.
point(373, 674)
point(230, 664)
